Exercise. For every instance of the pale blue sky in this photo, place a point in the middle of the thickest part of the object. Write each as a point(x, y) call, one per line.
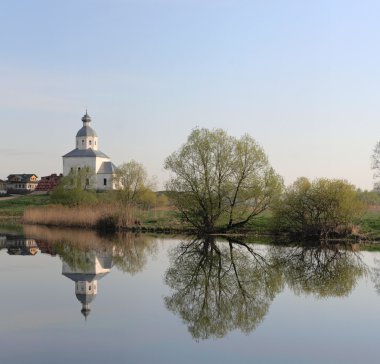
point(301, 77)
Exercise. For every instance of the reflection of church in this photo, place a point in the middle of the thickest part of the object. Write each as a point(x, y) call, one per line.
point(18, 245)
point(86, 276)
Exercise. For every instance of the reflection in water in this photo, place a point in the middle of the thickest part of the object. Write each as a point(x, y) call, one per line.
point(18, 245)
point(220, 286)
point(215, 286)
point(87, 257)
point(375, 275)
point(322, 270)
point(96, 266)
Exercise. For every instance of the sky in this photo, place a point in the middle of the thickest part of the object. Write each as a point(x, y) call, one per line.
point(301, 77)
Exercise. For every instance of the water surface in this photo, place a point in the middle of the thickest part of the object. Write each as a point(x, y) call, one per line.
point(69, 296)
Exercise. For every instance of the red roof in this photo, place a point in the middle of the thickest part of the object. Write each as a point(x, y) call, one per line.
point(48, 183)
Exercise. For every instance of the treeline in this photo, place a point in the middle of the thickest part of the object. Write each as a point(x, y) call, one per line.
point(133, 188)
point(218, 184)
point(221, 184)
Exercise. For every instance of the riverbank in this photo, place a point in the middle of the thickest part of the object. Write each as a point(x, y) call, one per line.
point(36, 209)
point(12, 208)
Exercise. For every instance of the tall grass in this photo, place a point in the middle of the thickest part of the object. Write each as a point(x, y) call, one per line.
point(84, 216)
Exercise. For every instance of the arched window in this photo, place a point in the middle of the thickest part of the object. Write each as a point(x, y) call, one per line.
point(90, 142)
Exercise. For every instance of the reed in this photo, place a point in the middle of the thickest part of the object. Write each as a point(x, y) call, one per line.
point(83, 216)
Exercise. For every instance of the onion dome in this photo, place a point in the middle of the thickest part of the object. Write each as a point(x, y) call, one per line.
point(86, 130)
point(86, 118)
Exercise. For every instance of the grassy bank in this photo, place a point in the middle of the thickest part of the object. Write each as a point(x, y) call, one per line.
point(104, 216)
point(35, 209)
point(12, 210)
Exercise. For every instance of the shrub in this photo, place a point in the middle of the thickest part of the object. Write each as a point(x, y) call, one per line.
point(321, 208)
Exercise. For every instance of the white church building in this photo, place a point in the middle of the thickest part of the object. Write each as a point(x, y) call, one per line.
point(87, 154)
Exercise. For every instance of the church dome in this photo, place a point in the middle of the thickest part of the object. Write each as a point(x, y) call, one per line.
point(85, 312)
point(86, 131)
point(86, 118)
point(85, 299)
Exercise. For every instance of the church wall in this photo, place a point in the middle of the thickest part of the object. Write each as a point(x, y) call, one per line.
point(87, 142)
point(78, 162)
point(99, 162)
point(100, 182)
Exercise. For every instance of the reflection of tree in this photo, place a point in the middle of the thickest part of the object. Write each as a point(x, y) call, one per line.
point(375, 275)
point(73, 256)
point(130, 251)
point(322, 270)
point(218, 287)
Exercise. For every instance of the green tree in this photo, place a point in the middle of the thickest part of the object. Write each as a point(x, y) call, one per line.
point(376, 165)
point(75, 188)
point(318, 209)
point(132, 183)
point(219, 181)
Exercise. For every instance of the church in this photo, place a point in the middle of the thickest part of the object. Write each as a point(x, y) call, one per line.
point(87, 154)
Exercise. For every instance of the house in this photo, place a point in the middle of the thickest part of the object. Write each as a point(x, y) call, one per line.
point(87, 154)
point(48, 183)
point(3, 187)
point(21, 183)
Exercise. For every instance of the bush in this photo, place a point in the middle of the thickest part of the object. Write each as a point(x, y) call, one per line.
point(322, 208)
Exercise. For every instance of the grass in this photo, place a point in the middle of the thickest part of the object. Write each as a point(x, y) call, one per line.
point(370, 222)
point(160, 218)
point(36, 209)
point(86, 216)
point(104, 216)
point(370, 247)
point(261, 223)
point(12, 210)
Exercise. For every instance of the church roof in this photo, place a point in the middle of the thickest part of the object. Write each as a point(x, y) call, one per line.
point(81, 277)
point(86, 118)
point(85, 298)
point(86, 131)
point(85, 153)
point(107, 168)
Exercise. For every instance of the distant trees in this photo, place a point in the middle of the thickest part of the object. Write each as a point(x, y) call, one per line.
point(219, 181)
point(75, 188)
point(376, 166)
point(370, 198)
point(133, 185)
point(319, 208)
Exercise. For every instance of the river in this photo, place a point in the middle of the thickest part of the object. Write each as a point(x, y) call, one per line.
point(77, 297)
